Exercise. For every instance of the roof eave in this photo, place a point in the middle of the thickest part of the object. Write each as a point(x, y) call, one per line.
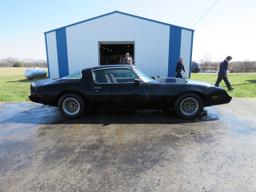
point(113, 12)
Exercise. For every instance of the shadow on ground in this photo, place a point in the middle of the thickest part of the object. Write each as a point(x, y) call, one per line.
point(26, 80)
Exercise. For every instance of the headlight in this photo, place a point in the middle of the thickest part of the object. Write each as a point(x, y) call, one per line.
point(33, 84)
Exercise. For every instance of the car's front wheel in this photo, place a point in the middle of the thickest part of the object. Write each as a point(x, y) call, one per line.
point(71, 105)
point(189, 105)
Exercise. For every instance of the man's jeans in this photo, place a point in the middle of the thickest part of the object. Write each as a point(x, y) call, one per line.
point(225, 78)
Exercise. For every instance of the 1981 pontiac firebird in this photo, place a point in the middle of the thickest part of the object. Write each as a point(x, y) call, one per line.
point(124, 86)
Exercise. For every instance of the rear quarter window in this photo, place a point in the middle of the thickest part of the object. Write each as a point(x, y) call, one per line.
point(76, 75)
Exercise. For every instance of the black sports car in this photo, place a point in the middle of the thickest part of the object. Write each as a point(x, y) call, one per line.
point(124, 86)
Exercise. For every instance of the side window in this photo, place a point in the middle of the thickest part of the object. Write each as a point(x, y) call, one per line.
point(123, 75)
point(114, 76)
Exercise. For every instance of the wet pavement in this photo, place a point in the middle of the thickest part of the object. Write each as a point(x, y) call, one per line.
point(144, 151)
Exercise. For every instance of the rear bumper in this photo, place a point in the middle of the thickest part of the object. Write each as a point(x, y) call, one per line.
point(46, 100)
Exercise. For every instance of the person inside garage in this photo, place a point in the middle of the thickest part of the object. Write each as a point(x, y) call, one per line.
point(127, 59)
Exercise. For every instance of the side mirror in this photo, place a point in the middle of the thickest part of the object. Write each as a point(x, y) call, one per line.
point(137, 81)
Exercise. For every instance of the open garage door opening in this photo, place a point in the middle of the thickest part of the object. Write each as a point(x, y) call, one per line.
point(114, 52)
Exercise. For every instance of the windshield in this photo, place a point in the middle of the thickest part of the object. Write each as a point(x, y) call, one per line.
point(144, 77)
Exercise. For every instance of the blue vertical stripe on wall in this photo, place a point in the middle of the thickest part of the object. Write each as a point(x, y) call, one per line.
point(174, 49)
point(62, 52)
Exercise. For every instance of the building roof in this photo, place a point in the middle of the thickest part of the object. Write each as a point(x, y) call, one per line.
point(119, 12)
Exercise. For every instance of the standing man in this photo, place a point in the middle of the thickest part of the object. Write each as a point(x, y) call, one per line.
point(127, 59)
point(179, 68)
point(223, 75)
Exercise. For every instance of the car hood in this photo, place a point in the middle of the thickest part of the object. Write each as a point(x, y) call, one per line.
point(194, 82)
point(183, 81)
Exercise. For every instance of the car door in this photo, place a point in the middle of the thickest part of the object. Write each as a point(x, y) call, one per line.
point(157, 95)
point(116, 88)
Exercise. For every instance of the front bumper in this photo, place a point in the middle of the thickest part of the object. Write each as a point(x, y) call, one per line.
point(218, 99)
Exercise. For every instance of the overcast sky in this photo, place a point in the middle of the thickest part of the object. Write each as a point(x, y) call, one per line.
point(228, 29)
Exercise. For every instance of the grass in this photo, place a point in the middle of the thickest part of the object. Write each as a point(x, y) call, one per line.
point(14, 86)
point(244, 84)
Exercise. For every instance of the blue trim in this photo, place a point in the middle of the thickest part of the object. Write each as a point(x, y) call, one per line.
point(47, 57)
point(191, 52)
point(123, 13)
point(152, 20)
point(174, 49)
point(62, 52)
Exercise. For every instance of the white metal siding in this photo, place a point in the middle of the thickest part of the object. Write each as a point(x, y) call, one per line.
point(52, 55)
point(151, 42)
point(185, 50)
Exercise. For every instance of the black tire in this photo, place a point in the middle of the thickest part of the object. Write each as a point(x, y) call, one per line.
point(71, 105)
point(189, 105)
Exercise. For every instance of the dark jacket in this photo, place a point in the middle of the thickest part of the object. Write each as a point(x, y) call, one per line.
point(223, 68)
point(179, 67)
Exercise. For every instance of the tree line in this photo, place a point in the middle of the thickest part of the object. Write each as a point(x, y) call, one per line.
point(234, 67)
point(205, 66)
point(14, 62)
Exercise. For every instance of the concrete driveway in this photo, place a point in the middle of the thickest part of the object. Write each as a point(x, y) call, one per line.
point(145, 151)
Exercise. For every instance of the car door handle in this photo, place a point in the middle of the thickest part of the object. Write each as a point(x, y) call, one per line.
point(97, 88)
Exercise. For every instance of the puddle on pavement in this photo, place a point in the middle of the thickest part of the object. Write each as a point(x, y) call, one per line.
point(30, 113)
point(238, 126)
point(38, 114)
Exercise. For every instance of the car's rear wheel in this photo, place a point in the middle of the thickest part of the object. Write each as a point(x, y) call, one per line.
point(71, 105)
point(189, 105)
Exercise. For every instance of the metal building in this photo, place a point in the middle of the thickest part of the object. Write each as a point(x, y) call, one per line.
point(155, 46)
